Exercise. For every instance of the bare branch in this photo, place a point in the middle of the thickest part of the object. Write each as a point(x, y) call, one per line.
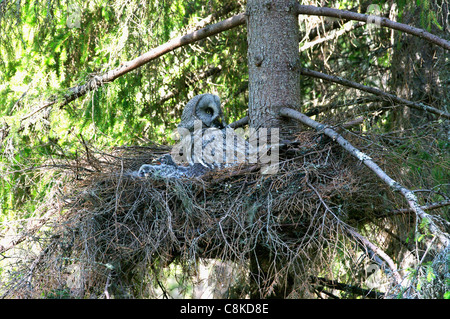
point(169, 46)
point(377, 250)
point(28, 232)
point(365, 242)
point(338, 104)
point(239, 123)
point(214, 16)
point(425, 207)
point(367, 161)
point(384, 22)
point(386, 96)
point(332, 35)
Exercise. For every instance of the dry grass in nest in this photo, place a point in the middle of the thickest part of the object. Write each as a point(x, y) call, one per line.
point(116, 233)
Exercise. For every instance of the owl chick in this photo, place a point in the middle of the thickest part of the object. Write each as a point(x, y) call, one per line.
point(165, 167)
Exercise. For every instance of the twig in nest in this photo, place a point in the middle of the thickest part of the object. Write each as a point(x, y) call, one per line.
point(363, 240)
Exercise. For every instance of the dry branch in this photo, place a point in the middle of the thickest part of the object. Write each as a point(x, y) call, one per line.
point(369, 89)
point(239, 123)
point(384, 22)
point(119, 229)
point(336, 104)
point(379, 252)
point(425, 207)
point(98, 81)
point(209, 30)
point(333, 25)
point(367, 161)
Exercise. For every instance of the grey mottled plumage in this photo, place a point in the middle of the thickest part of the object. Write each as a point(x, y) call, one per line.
point(202, 122)
point(203, 107)
point(166, 168)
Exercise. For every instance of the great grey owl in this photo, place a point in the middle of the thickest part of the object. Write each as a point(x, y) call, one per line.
point(205, 108)
point(206, 142)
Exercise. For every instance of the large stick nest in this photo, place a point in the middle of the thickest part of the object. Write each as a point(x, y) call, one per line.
point(117, 234)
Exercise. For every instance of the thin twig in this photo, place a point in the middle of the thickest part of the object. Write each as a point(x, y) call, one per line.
point(209, 30)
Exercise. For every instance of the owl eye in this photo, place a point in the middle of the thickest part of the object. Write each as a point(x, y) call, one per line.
point(209, 111)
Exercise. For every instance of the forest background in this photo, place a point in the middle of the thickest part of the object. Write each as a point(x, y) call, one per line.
point(48, 47)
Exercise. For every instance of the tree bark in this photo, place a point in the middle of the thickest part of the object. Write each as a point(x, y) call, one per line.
point(273, 61)
point(274, 82)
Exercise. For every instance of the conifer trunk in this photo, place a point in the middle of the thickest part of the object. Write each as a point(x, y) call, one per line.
point(273, 60)
point(274, 82)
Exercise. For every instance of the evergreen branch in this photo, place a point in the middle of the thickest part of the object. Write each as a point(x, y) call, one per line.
point(209, 30)
point(382, 21)
point(124, 68)
point(369, 89)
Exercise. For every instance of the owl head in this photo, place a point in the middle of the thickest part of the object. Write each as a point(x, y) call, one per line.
point(207, 109)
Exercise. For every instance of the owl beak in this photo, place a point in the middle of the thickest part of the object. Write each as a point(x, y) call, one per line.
point(218, 122)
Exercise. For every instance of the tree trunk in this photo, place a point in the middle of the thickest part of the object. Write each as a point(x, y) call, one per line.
point(273, 61)
point(274, 82)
